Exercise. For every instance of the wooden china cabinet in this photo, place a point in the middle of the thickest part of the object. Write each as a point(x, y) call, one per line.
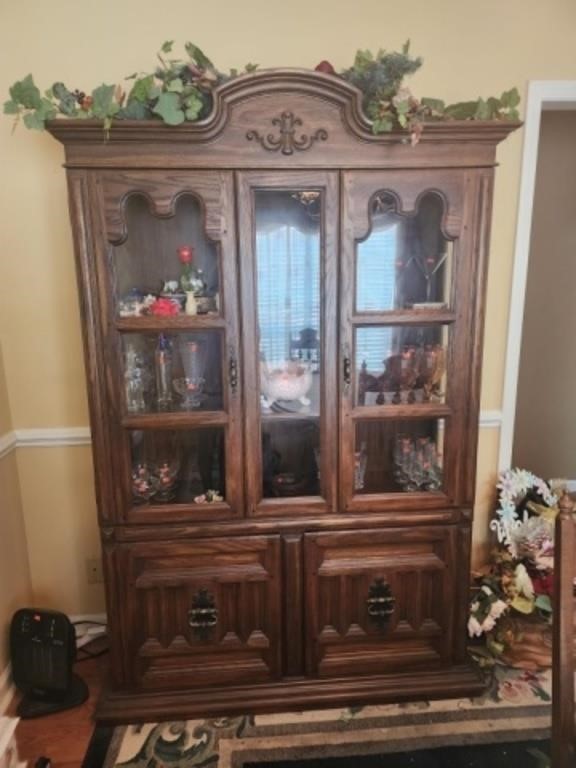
point(282, 318)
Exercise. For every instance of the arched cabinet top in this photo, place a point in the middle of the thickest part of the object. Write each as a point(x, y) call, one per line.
point(279, 118)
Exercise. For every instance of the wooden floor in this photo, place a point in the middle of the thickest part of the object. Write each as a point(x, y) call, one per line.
point(64, 736)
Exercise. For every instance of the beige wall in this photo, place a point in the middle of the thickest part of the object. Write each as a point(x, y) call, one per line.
point(469, 49)
point(15, 585)
point(545, 431)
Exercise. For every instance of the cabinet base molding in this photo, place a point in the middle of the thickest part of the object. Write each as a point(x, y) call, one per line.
point(443, 683)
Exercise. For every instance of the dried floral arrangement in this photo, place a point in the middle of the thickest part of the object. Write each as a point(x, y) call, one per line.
point(518, 580)
point(180, 90)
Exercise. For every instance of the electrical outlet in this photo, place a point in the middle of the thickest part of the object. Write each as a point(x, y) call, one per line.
point(94, 570)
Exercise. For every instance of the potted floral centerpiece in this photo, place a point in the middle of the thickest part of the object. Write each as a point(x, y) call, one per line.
point(511, 602)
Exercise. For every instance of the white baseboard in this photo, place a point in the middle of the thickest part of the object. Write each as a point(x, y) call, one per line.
point(7, 691)
point(8, 751)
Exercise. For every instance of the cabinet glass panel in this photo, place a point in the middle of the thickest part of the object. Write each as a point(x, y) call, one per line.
point(178, 466)
point(165, 266)
point(405, 262)
point(401, 365)
point(288, 287)
point(398, 455)
point(290, 458)
point(172, 372)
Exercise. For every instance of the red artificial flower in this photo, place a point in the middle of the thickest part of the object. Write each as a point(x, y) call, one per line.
point(164, 307)
point(185, 253)
point(543, 583)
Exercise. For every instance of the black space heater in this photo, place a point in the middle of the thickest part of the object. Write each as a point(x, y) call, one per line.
point(42, 653)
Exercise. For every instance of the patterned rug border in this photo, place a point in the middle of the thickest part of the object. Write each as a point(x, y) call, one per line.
point(515, 708)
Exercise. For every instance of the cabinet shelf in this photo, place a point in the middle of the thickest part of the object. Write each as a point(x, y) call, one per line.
point(270, 417)
point(415, 411)
point(405, 317)
point(175, 323)
point(183, 420)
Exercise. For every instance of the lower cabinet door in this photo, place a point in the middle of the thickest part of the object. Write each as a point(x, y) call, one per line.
point(200, 613)
point(379, 601)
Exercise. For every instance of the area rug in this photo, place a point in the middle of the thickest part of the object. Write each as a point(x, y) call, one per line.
point(515, 708)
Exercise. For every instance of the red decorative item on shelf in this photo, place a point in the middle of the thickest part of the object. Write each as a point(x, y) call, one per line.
point(185, 254)
point(164, 307)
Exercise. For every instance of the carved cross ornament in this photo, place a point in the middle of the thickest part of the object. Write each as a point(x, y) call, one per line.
point(287, 142)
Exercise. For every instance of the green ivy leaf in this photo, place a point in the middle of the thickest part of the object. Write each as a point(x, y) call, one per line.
point(193, 103)
point(168, 108)
point(36, 119)
point(103, 104)
point(11, 108)
point(198, 56)
point(435, 105)
point(167, 46)
point(26, 93)
point(482, 110)
point(175, 86)
point(510, 99)
point(135, 110)
point(382, 125)
point(140, 91)
point(463, 110)
point(67, 103)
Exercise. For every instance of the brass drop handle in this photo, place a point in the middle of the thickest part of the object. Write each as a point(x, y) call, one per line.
point(381, 602)
point(203, 615)
point(233, 372)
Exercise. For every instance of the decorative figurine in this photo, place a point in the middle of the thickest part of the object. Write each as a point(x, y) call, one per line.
point(191, 277)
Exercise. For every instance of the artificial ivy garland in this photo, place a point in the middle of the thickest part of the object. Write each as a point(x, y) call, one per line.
point(181, 90)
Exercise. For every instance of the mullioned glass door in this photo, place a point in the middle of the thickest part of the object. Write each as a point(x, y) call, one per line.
point(288, 278)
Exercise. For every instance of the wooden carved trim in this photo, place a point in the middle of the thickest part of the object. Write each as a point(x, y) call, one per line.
point(287, 141)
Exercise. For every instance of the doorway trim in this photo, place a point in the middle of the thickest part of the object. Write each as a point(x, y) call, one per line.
point(542, 95)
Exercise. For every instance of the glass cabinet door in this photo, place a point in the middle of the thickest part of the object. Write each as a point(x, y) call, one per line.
point(174, 328)
point(398, 335)
point(286, 284)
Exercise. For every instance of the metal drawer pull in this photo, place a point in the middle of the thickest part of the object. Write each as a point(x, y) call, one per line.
point(203, 616)
point(381, 602)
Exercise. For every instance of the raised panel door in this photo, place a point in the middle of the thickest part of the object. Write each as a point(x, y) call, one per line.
point(379, 600)
point(197, 613)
